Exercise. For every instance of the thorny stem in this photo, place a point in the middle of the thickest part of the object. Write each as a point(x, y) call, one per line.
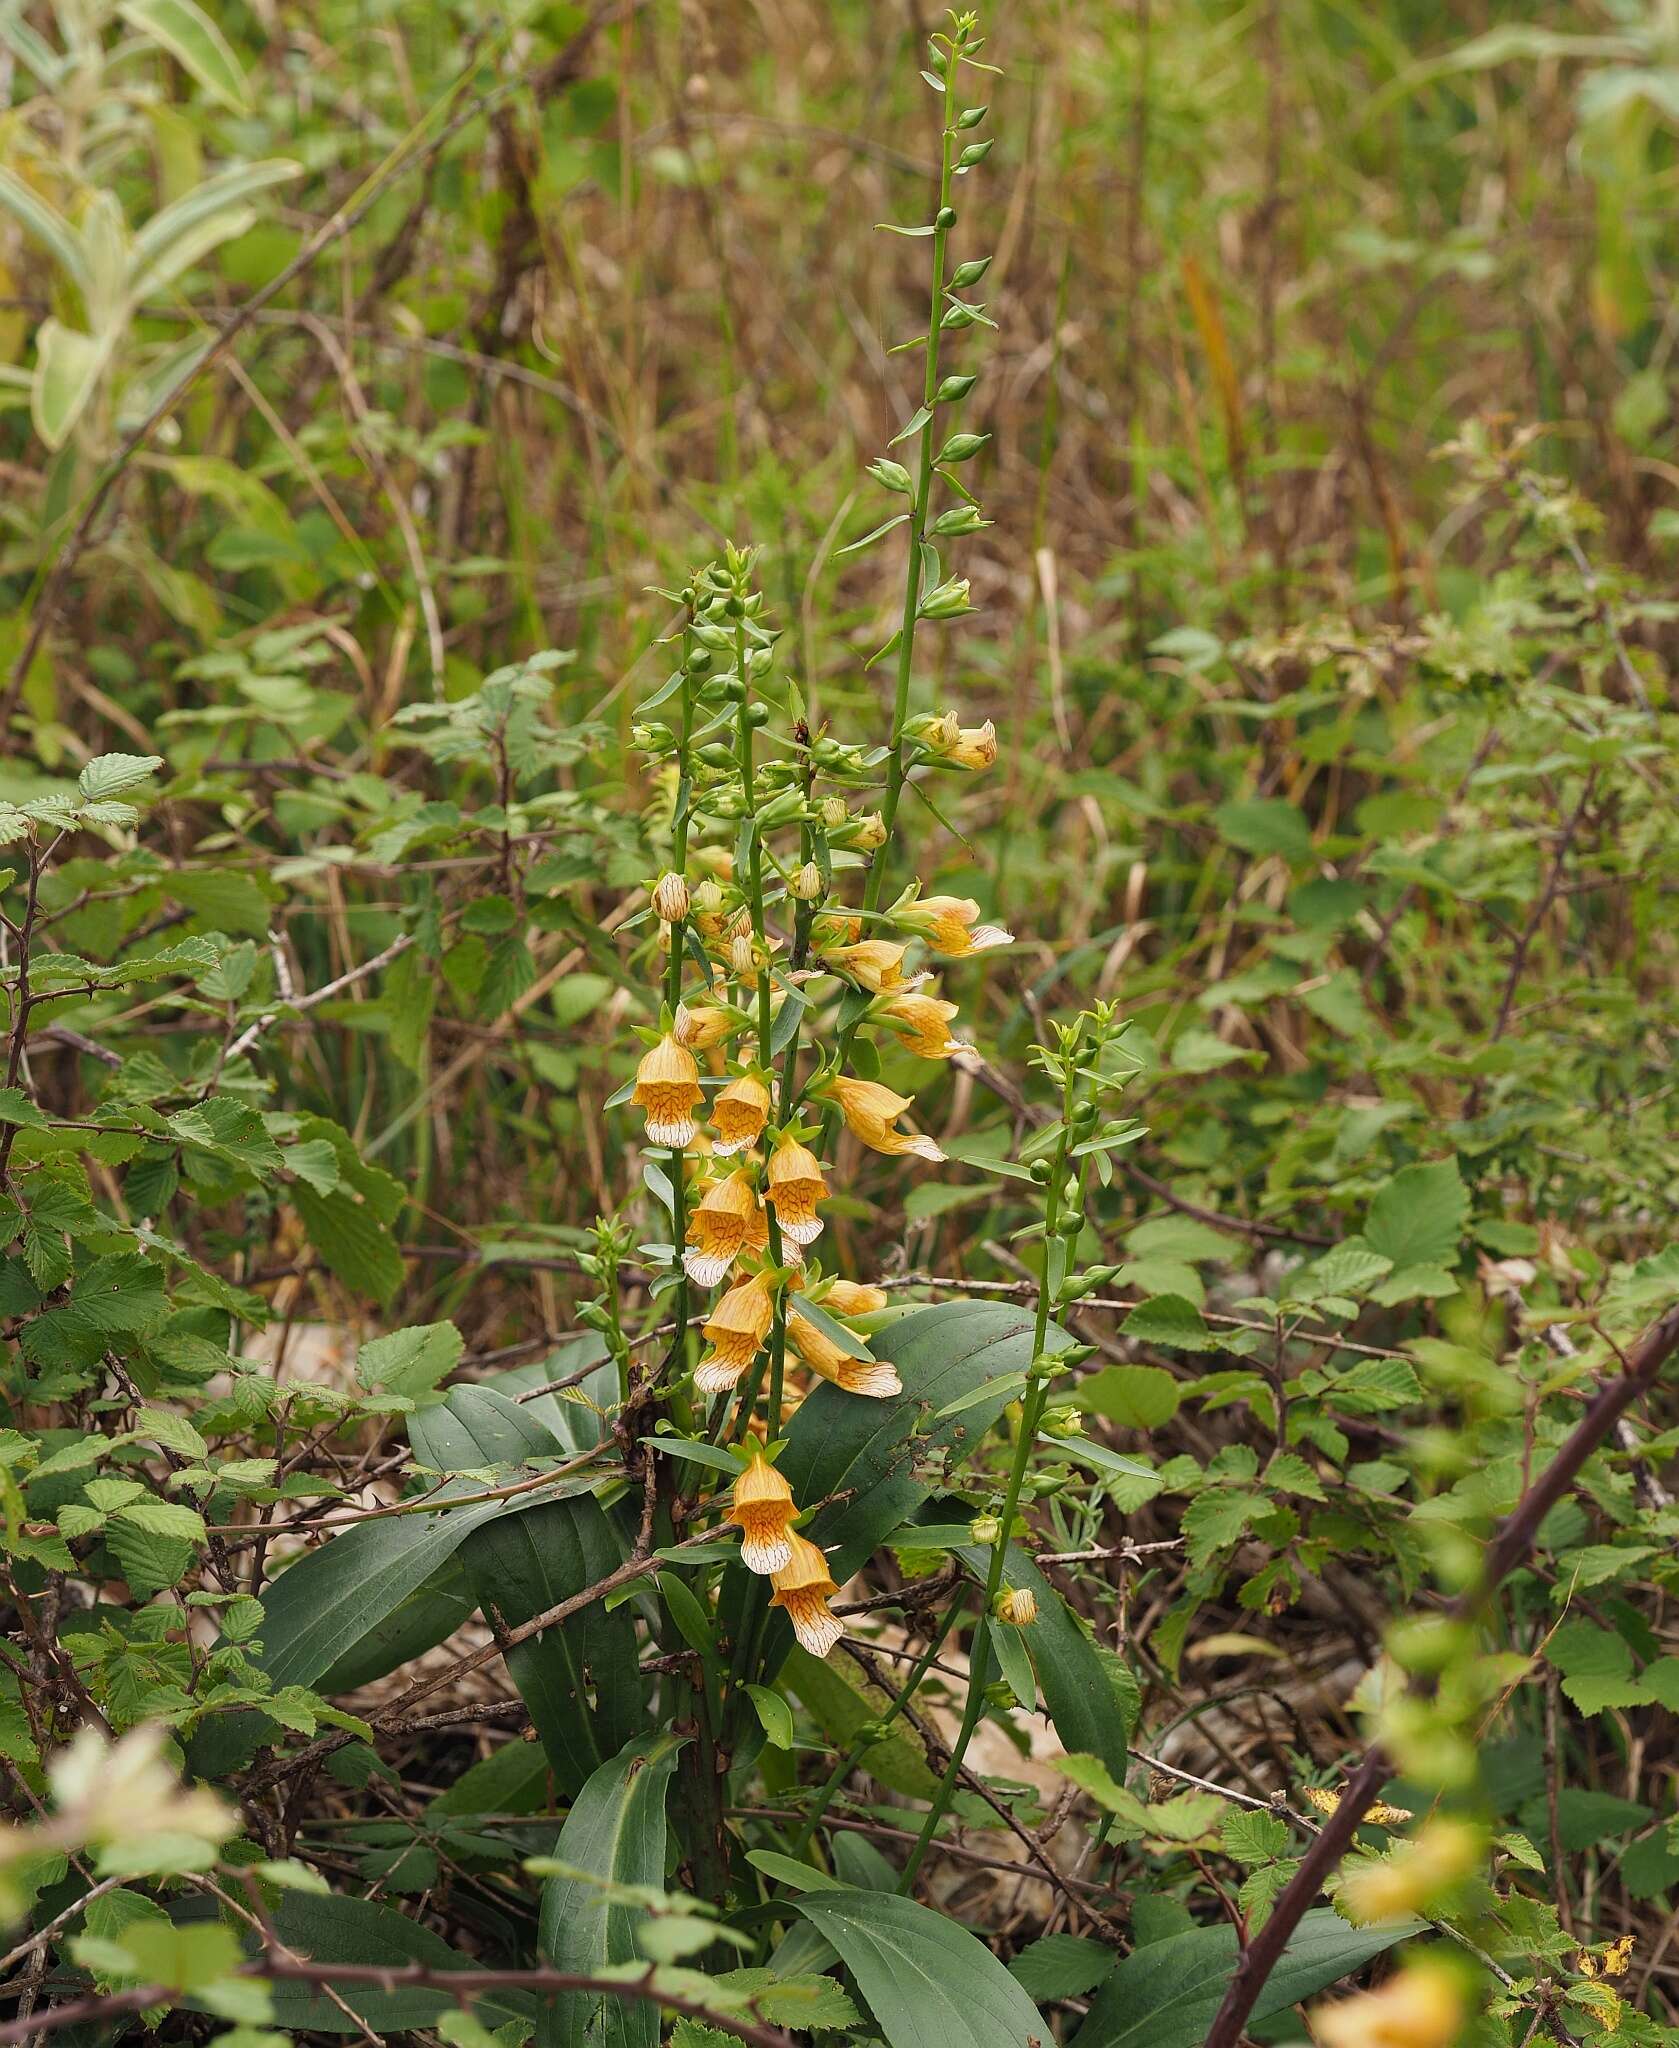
point(1509, 1547)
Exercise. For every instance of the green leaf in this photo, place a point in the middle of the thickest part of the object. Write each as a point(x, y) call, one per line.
point(927, 1980)
point(195, 43)
point(410, 1361)
point(1077, 1695)
point(840, 1703)
point(1170, 1321)
point(47, 225)
point(340, 1928)
point(351, 1240)
point(775, 1715)
point(68, 366)
point(615, 1834)
point(109, 775)
point(878, 1448)
point(1134, 1396)
point(580, 1680)
point(1417, 1218)
point(1265, 825)
point(1061, 1966)
point(1166, 1994)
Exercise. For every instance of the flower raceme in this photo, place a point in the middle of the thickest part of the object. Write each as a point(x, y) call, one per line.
point(803, 1587)
point(728, 1221)
point(667, 1086)
point(735, 1330)
point(875, 1378)
point(795, 1187)
point(762, 1508)
point(870, 1112)
point(949, 925)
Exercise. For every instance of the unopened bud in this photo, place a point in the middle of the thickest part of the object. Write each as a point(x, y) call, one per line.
point(670, 897)
point(985, 1529)
point(1018, 1604)
point(742, 958)
point(871, 831)
point(834, 812)
point(806, 885)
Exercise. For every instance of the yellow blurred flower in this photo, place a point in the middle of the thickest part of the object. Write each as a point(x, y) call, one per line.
point(1421, 2006)
point(1412, 1878)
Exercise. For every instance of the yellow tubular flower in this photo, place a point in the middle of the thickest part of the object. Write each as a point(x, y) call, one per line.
point(706, 1025)
point(803, 1588)
point(835, 930)
point(877, 964)
point(667, 1085)
point(976, 747)
point(875, 1378)
point(762, 1509)
point(922, 1023)
point(870, 1112)
point(727, 1222)
point(735, 1330)
point(796, 1186)
point(1419, 2007)
point(740, 1113)
point(854, 1298)
point(948, 925)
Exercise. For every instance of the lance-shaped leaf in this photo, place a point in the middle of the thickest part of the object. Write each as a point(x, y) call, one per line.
point(928, 1982)
point(1166, 1994)
point(613, 1836)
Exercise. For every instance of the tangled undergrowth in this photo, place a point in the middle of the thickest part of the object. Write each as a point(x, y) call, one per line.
point(839, 1211)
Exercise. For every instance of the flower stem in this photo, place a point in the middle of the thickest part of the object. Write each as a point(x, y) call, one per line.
point(1031, 1418)
point(923, 491)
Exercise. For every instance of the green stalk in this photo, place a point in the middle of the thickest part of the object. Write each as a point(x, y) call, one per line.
point(1031, 1418)
point(923, 492)
point(673, 983)
point(860, 1748)
point(755, 897)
